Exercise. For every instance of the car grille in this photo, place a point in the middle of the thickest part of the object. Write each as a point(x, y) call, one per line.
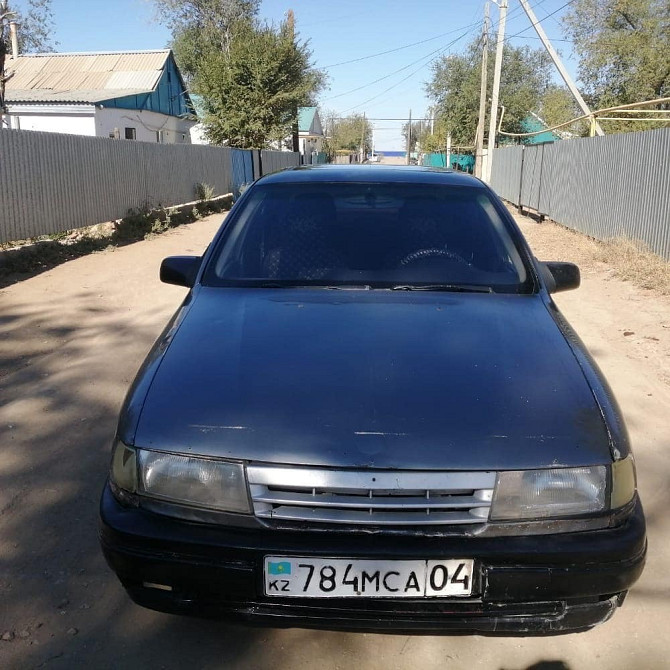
point(370, 497)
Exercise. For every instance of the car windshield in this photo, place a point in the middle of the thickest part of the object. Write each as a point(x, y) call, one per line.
point(398, 236)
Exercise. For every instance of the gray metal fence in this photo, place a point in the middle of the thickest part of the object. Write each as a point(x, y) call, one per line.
point(272, 161)
point(613, 186)
point(50, 182)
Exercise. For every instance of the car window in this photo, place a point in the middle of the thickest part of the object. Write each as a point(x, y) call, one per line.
point(382, 235)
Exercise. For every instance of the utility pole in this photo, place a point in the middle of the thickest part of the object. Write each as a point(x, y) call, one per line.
point(496, 89)
point(295, 134)
point(447, 162)
point(479, 136)
point(363, 140)
point(595, 126)
point(409, 137)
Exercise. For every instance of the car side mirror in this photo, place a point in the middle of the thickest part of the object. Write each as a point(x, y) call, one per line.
point(180, 270)
point(560, 276)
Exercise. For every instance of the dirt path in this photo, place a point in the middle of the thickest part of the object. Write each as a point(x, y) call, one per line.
point(71, 340)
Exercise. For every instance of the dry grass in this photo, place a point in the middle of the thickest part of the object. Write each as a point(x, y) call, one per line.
point(632, 261)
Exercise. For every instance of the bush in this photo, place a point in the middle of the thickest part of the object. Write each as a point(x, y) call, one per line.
point(204, 191)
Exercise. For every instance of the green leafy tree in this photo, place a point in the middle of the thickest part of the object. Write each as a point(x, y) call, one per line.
point(624, 52)
point(347, 134)
point(455, 84)
point(624, 48)
point(251, 76)
point(201, 26)
point(559, 106)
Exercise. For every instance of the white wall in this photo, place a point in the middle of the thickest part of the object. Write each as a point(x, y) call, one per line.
point(146, 124)
point(91, 120)
point(74, 120)
point(310, 144)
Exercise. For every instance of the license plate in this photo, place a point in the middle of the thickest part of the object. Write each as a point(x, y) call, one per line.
point(297, 577)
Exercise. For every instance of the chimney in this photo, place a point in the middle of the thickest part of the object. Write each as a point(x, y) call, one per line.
point(15, 39)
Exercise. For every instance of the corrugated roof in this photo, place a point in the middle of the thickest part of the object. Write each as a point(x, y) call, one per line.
point(83, 77)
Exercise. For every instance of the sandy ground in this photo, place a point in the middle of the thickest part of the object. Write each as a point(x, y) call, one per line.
point(71, 340)
point(393, 160)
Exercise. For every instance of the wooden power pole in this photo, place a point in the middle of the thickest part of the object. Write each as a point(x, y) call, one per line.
point(363, 133)
point(290, 21)
point(496, 90)
point(409, 137)
point(479, 136)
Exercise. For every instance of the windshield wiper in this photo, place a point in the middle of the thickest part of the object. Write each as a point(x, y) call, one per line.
point(456, 288)
point(348, 287)
point(336, 287)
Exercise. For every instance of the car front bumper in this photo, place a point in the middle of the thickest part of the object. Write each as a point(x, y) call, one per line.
point(524, 585)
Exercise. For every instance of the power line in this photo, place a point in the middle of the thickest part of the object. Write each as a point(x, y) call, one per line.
point(430, 56)
point(390, 51)
point(432, 53)
point(405, 67)
point(411, 74)
point(544, 18)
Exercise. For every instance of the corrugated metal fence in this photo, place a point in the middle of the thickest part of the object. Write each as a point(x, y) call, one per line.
point(613, 186)
point(50, 182)
point(272, 161)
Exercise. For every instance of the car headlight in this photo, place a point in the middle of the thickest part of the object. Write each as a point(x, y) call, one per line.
point(549, 493)
point(181, 480)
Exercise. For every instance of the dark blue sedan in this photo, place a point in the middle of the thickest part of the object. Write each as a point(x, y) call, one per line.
point(369, 414)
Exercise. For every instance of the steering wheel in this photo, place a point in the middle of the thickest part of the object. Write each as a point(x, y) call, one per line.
point(435, 252)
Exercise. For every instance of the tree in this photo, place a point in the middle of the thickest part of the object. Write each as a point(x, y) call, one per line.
point(252, 76)
point(36, 26)
point(199, 26)
point(347, 134)
point(624, 50)
point(455, 84)
point(415, 136)
point(558, 106)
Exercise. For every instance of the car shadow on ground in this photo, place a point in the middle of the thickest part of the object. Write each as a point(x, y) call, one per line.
point(61, 605)
point(545, 665)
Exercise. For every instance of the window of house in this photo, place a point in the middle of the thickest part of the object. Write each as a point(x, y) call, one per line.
point(131, 134)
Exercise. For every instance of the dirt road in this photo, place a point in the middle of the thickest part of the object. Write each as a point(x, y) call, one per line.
point(71, 340)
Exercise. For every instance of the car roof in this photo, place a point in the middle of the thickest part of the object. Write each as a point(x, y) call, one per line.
point(372, 173)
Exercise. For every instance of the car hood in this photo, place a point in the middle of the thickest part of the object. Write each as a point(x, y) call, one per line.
point(382, 379)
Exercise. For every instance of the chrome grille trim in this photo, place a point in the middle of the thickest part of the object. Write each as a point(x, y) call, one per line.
point(370, 497)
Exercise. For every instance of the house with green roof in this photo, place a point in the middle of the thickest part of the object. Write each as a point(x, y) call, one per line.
point(533, 124)
point(310, 133)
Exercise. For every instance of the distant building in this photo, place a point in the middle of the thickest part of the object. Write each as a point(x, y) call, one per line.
point(310, 132)
point(132, 95)
point(533, 124)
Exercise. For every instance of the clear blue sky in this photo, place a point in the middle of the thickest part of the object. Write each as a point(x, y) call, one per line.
point(338, 31)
